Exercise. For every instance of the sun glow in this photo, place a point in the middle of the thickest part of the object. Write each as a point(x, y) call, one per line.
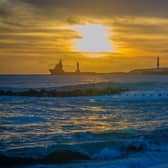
point(95, 39)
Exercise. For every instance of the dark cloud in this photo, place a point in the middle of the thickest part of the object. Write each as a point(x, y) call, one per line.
point(70, 9)
point(12, 23)
point(73, 20)
point(141, 29)
point(3, 12)
point(21, 12)
point(104, 7)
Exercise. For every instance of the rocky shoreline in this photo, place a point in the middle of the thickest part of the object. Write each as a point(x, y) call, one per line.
point(68, 91)
point(55, 93)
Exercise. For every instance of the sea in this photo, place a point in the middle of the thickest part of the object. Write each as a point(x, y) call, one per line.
point(125, 130)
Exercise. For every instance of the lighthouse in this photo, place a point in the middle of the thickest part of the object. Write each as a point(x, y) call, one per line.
point(77, 68)
point(158, 63)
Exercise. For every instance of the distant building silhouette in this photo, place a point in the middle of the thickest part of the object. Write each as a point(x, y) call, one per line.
point(77, 68)
point(158, 62)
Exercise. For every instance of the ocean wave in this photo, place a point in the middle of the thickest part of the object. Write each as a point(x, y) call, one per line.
point(116, 145)
point(67, 156)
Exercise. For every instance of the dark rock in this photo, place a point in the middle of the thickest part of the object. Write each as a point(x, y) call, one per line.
point(13, 161)
point(136, 147)
point(64, 156)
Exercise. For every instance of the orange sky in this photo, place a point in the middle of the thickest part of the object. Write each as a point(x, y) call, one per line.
point(35, 34)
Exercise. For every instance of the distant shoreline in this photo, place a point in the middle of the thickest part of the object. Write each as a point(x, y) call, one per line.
point(150, 71)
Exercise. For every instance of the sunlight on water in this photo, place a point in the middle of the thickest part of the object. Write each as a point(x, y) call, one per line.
point(32, 121)
point(95, 109)
point(101, 126)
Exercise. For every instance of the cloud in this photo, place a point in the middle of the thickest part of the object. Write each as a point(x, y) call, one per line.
point(42, 28)
point(63, 9)
point(105, 7)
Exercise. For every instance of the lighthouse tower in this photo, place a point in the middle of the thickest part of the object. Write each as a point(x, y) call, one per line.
point(77, 68)
point(158, 62)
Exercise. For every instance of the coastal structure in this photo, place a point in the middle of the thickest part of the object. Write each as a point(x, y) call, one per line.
point(59, 70)
point(77, 68)
point(158, 62)
point(155, 71)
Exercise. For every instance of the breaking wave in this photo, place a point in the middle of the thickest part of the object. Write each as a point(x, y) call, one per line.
point(117, 145)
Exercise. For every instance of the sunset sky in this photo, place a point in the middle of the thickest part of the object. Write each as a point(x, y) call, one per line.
point(103, 35)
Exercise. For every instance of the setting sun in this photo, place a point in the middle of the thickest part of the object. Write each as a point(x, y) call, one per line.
point(95, 38)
